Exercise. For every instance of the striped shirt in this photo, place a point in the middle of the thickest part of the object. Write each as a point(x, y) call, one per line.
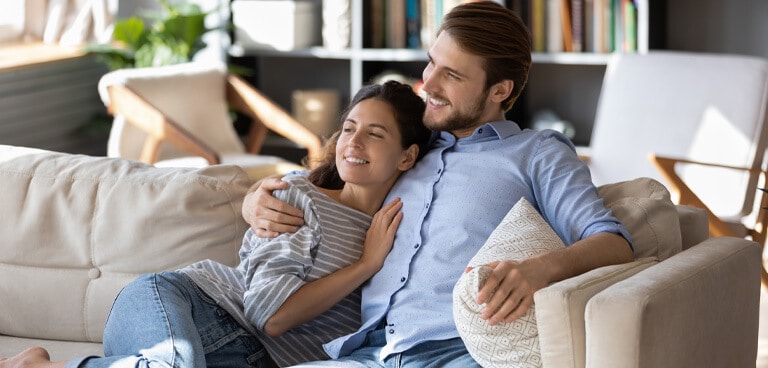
point(270, 270)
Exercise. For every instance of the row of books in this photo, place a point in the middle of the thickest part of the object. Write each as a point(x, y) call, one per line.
point(599, 26)
point(405, 23)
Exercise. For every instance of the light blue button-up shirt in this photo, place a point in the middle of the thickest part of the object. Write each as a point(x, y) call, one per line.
point(452, 200)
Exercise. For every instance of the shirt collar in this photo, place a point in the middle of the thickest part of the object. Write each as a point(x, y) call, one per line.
point(501, 128)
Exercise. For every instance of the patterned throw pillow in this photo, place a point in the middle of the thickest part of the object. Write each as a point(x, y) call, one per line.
point(522, 233)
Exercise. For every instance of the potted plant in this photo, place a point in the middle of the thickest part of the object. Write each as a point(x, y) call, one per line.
point(173, 37)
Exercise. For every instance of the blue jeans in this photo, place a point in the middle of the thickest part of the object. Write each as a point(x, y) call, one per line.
point(432, 354)
point(165, 320)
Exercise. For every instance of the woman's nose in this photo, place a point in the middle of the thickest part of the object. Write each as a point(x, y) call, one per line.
point(356, 140)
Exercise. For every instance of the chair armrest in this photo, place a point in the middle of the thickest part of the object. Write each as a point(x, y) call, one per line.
point(560, 311)
point(159, 128)
point(698, 308)
point(666, 167)
point(267, 114)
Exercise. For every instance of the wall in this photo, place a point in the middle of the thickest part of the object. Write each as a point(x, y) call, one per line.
point(47, 105)
point(729, 26)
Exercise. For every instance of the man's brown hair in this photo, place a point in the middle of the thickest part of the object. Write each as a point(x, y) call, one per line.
point(496, 34)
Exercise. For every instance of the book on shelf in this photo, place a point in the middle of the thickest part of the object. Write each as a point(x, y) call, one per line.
point(594, 26)
point(405, 23)
point(412, 24)
point(395, 23)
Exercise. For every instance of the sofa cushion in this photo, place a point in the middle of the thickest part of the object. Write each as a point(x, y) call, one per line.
point(521, 234)
point(644, 206)
point(76, 229)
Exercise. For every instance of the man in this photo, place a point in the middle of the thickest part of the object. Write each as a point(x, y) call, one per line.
point(478, 167)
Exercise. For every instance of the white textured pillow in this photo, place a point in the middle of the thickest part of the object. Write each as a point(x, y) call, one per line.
point(522, 233)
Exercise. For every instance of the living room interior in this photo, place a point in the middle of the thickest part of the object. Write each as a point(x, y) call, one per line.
point(50, 98)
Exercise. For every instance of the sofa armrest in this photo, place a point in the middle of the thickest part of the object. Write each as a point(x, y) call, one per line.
point(560, 311)
point(699, 308)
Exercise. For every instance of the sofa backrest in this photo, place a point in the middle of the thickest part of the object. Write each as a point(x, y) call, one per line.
point(75, 229)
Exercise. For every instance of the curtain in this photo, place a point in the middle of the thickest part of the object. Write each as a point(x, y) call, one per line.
point(69, 22)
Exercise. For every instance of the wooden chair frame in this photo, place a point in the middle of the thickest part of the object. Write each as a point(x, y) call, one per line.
point(666, 167)
point(264, 114)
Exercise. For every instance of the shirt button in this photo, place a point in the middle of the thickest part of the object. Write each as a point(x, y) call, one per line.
point(391, 331)
point(416, 246)
point(402, 279)
point(439, 170)
point(427, 206)
point(480, 131)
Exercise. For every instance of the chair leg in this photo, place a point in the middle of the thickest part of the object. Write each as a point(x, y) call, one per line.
point(763, 268)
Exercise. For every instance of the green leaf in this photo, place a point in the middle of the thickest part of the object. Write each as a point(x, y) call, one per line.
point(174, 37)
point(131, 32)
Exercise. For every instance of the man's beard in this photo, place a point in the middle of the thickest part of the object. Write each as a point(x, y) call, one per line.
point(460, 120)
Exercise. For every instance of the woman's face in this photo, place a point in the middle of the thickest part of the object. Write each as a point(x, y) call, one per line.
point(369, 149)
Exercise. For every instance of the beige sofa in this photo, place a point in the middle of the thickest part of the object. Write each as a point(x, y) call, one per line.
point(74, 229)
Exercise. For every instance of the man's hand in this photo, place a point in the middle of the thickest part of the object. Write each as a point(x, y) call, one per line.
point(267, 215)
point(508, 290)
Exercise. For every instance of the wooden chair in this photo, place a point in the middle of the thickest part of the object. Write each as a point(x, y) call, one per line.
point(701, 119)
point(178, 115)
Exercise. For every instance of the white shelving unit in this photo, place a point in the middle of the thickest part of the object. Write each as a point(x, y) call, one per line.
point(567, 83)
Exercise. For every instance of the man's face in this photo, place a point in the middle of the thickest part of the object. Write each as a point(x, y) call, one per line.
point(454, 81)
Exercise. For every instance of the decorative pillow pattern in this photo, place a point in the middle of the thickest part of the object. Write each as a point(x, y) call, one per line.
point(522, 233)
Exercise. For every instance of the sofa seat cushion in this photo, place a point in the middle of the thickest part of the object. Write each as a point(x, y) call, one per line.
point(58, 350)
point(76, 229)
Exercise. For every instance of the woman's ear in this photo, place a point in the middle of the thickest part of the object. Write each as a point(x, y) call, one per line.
point(408, 158)
point(500, 91)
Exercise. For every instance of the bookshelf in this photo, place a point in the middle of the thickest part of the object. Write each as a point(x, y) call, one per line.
point(566, 82)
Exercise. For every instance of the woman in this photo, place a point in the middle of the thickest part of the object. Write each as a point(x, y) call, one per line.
point(290, 294)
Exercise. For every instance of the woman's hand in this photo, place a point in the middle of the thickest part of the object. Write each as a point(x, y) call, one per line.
point(267, 215)
point(381, 235)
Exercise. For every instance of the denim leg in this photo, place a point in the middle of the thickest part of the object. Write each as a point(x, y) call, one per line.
point(432, 354)
point(164, 320)
point(366, 356)
point(435, 354)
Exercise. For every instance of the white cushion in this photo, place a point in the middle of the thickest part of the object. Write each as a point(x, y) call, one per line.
point(256, 166)
point(644, 206)
point(76, 229)
point(521, 234)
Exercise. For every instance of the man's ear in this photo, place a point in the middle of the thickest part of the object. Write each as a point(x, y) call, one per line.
point(501, 90)
point(408, 158)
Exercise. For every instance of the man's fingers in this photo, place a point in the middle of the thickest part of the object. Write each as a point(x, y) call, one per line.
point(270, 208)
